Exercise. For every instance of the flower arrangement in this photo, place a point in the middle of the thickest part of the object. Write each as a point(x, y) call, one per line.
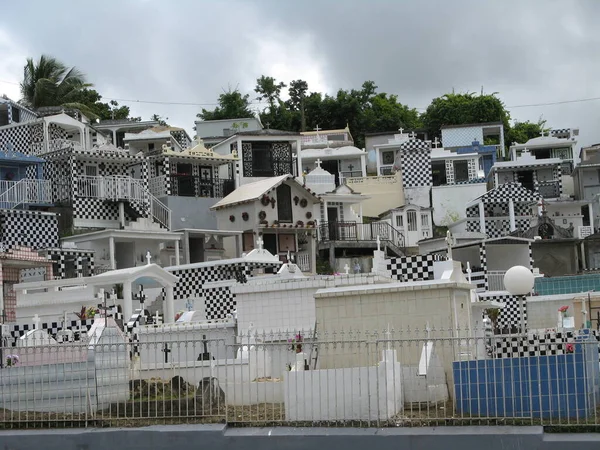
point(310, 223)
point(232, 218)
point(303, 203)
point(296, 343)
point(245, 216)
point(12, 360)
point(308, 215)
point(265, 200)
point(570, 348)
point(87, 313)
point(563, 310)
point(178, 315)
point(262, 215)
point(264, 223)
point(299, 223)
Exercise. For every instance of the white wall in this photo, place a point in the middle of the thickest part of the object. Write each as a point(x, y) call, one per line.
point(211, 128)
point(449, 202)
point(360, 393)
point(503, 257)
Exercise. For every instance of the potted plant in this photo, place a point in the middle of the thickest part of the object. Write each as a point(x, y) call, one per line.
point(310, 223)
point(264, 223)
point(275, 223)
point(299, 223)
point(12, 360)
point(493, 315)
point(296, 343)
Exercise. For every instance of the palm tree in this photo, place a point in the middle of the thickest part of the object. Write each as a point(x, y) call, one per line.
point(48, 82)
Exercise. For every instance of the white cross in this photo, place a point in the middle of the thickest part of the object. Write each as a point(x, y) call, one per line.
point(400, 130)
point(260, 243)
point(64, 319)
point(378, 244)
point(289, 257)
point(542, 133)
point(101, 294)
point(469, 271)
point(436, 142)
point(113, 297)
point(148, 257)
point(428, 330)
point(412, 135)
point(36, 322)
point(346, 269)
point(318, 162)
point(317, 129)
point(156, 318)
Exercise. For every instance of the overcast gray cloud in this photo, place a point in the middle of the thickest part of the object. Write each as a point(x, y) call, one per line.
point(188, 51)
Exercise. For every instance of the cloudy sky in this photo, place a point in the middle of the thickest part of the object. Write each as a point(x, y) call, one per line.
point(189, 51)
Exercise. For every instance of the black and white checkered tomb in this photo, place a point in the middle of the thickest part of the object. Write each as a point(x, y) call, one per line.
point(412, 268)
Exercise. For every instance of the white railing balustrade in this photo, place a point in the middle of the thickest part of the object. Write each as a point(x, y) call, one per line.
point(122, 188)
point(303, 261)
point(25, 191)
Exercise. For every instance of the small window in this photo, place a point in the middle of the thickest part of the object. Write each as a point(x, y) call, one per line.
point(411, 217)
point(425, 220)
point(151, 146)
point(399, 221)
point(461, 171)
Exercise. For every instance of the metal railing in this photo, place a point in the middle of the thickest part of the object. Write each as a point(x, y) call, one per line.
point(158, 186)
point(202, 372)
point(495, 279)
point(303, 261)
point(25, 192)
point(352, 231)
point(196, 186)
point(122, 188)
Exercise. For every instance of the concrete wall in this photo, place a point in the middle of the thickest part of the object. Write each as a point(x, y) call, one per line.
point(554, 258)
point(542, 311)
point(220, 437)
point(449, 201)
point(360, 393)
point(385, 192)
point(192, 212)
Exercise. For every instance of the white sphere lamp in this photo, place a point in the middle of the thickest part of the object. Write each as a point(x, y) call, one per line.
point(519, 280)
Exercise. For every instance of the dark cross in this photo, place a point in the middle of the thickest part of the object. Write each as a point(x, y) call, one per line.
point(104, 308)
point(166, 350)
point(205, 356)
point(350, 167)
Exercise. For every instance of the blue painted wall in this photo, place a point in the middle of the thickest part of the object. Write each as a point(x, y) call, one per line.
point(488, 153)
point(554, 386)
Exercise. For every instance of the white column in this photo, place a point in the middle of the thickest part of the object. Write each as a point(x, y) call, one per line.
point(591, 213)
point(481, 218)
point(377, 156)
point(1, 292)
point(122, 214)
point(170, 306)
point(127, 301)
point(298, 157)
point(114, 137)
point(313, 252)
point(177, 253)
point(511, 214)
point(363, 164)
point(111, 252)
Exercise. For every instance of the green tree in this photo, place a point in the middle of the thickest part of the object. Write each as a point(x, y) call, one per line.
point(269, 90)
point(104, 111)
point(48, 82)
point(296, 102)
point(459, 109)
point(232, 105)
point(162, 121)
point(521, 132)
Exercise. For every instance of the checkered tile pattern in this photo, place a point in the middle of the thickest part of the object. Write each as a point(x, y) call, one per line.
point(22, 136)
point(415, 163)
point(218, 302)
point(495, 203)
point(510, 315)
point(84, 261)
point(412, 268)
point(191, 280)
point(28, 229)
point(539, 344)
point(77, 326)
